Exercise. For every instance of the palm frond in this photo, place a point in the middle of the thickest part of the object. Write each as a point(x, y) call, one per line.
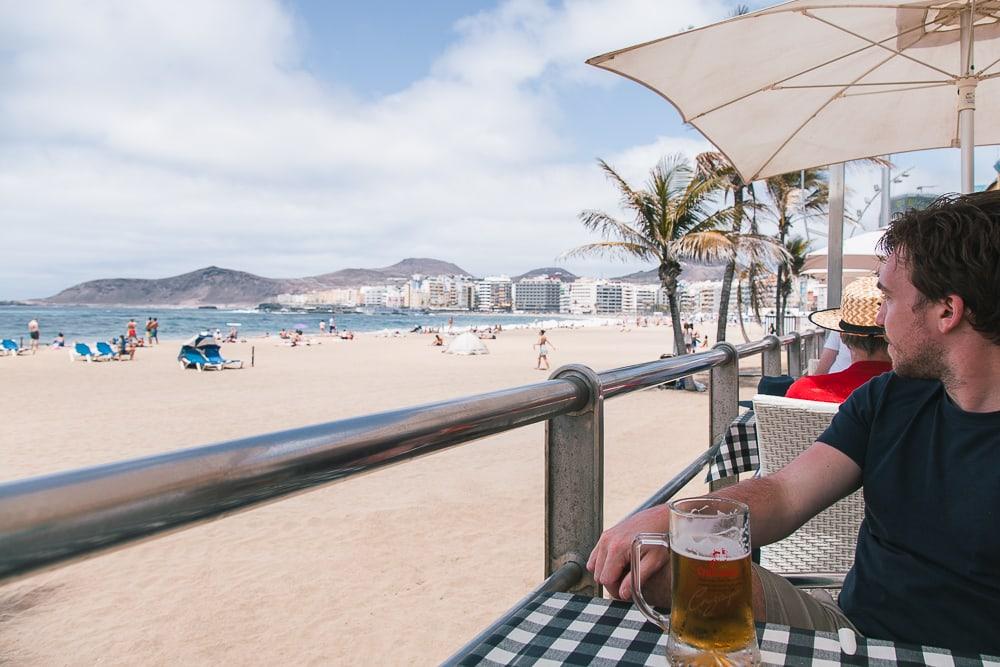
point(615, 249)
point(710, 246)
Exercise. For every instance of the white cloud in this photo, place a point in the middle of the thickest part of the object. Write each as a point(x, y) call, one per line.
point(145, 139)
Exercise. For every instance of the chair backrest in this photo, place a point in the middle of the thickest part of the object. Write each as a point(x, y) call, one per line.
point(83, 349)
point(9, 344)
point(104, 348)
point(826, 543)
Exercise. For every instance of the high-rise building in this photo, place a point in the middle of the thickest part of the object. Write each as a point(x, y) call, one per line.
point(494, 294)
point(537, 295)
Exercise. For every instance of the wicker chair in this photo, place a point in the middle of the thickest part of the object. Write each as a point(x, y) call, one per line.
point(822, 549)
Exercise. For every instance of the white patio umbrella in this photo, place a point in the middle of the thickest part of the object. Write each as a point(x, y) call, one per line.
point(860, 256)
point(817, 82)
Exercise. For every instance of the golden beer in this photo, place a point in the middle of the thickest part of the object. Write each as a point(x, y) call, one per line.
point(711, 590)
point(712, 607)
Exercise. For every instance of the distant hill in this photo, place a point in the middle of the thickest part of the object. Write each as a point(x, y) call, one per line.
point(690, 272)
point(224, 287)
point(401, 270)
point(551, 271)
point(211, 285)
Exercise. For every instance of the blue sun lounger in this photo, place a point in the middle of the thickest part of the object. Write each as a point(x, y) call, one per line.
point(82, 351)
point(10, 347)
point(192, 356)
point(105, 351)
point(214, 355)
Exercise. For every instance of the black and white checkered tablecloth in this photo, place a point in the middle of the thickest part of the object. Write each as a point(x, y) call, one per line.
point(563, 629)
point(739, 452)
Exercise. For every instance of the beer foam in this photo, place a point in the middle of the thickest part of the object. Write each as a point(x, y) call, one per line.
point(709, 547)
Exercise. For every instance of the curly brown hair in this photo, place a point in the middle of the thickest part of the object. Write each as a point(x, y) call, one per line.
point(953, 247)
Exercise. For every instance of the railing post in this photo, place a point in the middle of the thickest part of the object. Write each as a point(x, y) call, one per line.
point(771, 358)
point(724, 406)
point(795, 355)
point(574, 479)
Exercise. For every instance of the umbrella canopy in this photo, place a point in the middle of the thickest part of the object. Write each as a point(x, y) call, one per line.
point(816, 82)
point(200, 341)
point(860, 257)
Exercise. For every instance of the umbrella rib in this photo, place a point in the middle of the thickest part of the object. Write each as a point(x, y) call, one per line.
point(985, 69)
point(898, 90)
point(775, 84)
point(811, 117)
point(916, 84)
point(880, 44)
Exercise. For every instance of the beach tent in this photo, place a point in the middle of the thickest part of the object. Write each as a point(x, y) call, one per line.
point(467, 343)
point(860, 256)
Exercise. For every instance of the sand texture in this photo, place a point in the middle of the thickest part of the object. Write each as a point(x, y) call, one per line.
point(401, 566)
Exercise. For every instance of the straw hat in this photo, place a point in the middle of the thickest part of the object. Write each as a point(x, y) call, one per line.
point(858, 308)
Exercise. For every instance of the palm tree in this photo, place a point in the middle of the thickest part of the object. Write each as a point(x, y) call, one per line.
point(797, 249)
point(807, 190)
point(750, 251)
point(675, 218)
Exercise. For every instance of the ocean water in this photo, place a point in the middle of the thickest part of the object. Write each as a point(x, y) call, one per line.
point(97, 323)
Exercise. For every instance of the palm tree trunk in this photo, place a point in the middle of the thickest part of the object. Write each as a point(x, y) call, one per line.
point(727, 287)
point(727, 277)
point(675, 320)
point(739, 306)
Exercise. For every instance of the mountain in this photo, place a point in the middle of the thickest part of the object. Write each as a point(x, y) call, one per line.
point(551, 271)
point(211, 285)
point(399, 270)
point(225, 287)
point(690, 272)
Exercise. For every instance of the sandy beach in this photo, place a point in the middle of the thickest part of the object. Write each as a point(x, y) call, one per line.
point(401, 566)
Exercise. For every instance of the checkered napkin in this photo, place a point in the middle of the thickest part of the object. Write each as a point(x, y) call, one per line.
point(739, 452)
point(563, 629)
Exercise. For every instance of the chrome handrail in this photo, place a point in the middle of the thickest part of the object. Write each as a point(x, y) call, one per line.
point(55, 519)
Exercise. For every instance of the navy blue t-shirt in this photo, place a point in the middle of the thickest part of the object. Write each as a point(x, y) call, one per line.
point(927, 565)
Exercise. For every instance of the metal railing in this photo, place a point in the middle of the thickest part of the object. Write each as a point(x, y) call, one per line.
point(56, 519)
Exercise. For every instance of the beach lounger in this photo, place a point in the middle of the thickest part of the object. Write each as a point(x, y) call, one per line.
point(81, 351)
point(11, 348)
point(192, 357)
point(214, 355)
point(105, 352)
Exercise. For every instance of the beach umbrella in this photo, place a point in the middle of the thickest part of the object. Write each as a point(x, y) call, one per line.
point(860, 256)
point(200, 341)
point(817, 82)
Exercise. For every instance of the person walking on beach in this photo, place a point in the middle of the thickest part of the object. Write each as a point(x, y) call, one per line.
point(149, 331)
point(543, 345)
point(34, 333)
point(322, 327)
point(130, 332)
point(154, 332)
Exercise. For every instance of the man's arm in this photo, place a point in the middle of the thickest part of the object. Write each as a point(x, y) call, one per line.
point(826, 360)
point(779, 504)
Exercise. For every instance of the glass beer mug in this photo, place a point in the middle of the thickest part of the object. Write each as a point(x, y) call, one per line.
point(711, 606)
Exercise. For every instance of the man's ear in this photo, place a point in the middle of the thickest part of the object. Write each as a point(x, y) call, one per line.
point(951, 312)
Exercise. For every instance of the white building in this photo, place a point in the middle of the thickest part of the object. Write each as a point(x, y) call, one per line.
point(494, 293)
point(540, 295)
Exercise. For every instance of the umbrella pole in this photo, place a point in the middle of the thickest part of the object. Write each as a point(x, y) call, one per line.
point(967, 104)
point(835, 238)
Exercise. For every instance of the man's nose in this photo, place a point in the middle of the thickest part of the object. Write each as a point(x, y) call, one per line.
point(880, 315)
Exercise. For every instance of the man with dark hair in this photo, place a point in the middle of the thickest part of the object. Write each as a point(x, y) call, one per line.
point(922, 441)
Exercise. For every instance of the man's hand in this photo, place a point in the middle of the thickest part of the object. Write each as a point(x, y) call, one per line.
point(611, 558)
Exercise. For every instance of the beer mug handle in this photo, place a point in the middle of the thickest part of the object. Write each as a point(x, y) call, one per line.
point(644, 539)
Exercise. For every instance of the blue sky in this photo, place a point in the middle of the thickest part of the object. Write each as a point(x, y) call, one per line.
point(296, 137)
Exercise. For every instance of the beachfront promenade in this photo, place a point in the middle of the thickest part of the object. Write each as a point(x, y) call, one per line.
point(329, 572)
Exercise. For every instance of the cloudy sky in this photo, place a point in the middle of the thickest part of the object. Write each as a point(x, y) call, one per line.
point(144, 138)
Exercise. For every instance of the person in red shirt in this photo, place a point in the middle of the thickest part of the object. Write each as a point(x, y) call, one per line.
point(855, 320)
